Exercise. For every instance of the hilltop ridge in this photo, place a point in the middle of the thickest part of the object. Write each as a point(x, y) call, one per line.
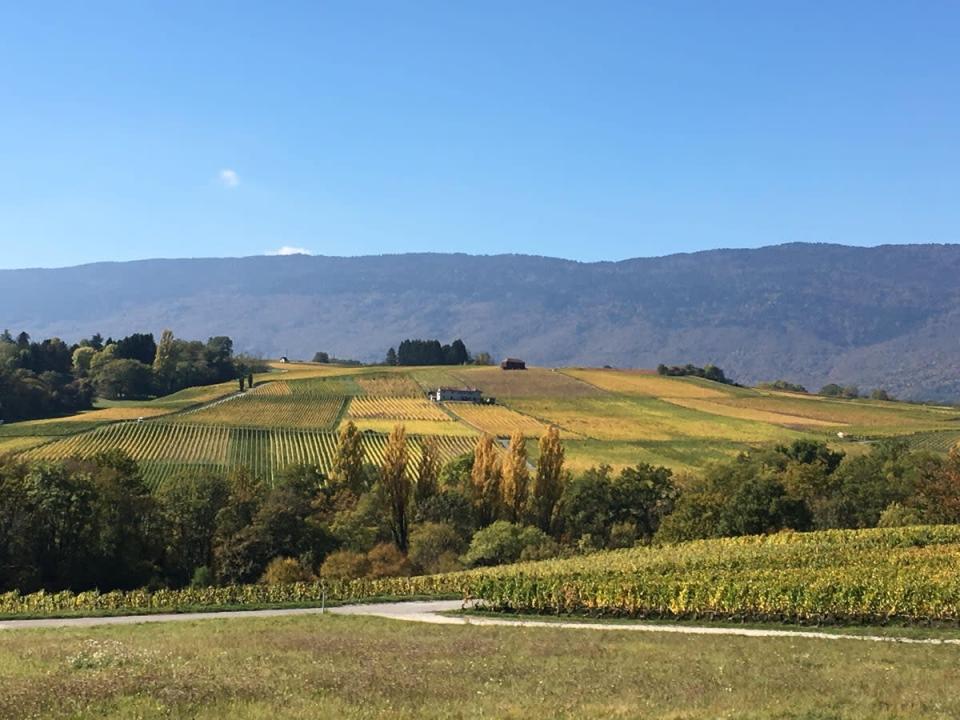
point(886, 316)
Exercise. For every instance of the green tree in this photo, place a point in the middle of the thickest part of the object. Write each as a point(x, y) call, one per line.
point(428, 470)
point(189, 505)
point(503, 542)
point(643, 496)
point(548, 482)
point(123, 379)
point(482, 358)
point(434, 547)
point(82, 357)
point(393, 477)
point(391, 358)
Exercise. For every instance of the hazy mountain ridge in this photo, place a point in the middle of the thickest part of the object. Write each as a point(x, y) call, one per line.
point(886, 316)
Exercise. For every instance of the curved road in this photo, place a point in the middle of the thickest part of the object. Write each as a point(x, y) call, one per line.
point(433, 612)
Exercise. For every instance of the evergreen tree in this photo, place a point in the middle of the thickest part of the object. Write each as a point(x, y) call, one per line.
point(548, 484)
point(391, 357)
point(516, 477)
point(396, 484)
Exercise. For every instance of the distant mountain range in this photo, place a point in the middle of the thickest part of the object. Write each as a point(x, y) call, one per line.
point(810, 313)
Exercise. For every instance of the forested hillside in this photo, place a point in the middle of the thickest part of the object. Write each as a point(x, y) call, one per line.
point(811, 314)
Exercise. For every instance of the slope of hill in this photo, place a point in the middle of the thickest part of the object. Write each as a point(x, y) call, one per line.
point(886, 316)
point(615, 417)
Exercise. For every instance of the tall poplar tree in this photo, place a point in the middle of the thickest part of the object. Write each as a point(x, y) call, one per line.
point(548, 484)
point(516, 478)
point(165, 361)
point(349, 458)
point(428, 470)
point(396, 484)
point(485, 480)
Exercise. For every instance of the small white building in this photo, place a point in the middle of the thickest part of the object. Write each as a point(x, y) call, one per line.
point(457, 395)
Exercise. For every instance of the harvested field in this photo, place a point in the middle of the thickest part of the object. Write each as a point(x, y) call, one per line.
point(641, 382)
point(860, 416)
point(747, 413)
point(619, 417)
point(530, 383)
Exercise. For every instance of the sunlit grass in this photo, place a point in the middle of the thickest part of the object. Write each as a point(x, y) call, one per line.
point(351, 667)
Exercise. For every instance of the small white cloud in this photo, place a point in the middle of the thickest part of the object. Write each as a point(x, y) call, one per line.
point(229, 178)
point(287, 250)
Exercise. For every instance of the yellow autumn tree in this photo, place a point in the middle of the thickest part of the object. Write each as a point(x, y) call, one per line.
point(485, 480)
point(548, 483)
point(516, 478)
point(348, 459)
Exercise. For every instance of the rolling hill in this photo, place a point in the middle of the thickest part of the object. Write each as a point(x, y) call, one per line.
point(605, 416)
point(878, 317)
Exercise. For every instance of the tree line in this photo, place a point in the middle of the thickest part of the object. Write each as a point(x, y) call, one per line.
point(81, 524)
point(428, 352)
point(50, 378)
point(708, 372)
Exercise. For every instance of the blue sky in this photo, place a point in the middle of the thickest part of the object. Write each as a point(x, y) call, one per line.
point(588, 130)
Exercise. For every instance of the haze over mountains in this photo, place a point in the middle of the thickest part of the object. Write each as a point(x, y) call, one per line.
point(887, 316)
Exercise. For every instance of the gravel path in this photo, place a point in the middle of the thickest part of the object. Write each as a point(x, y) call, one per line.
point(432, 612)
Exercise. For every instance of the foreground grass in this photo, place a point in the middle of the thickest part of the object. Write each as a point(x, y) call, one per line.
point(351, 667)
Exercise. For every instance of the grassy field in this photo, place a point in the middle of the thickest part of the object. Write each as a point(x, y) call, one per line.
point(346, 667)
point(618, 417)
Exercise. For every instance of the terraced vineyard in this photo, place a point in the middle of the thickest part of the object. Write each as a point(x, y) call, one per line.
point(164, 449)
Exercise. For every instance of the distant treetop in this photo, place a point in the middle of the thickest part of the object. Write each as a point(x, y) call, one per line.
point(708, 372)
point(429, 352)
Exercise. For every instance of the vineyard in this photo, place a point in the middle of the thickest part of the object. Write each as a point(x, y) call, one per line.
point(937, 441)
point(277, 404)
point(615, 417)
point(395, 408)
point(166, 449)
point(497, 419)
point(909, 575)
